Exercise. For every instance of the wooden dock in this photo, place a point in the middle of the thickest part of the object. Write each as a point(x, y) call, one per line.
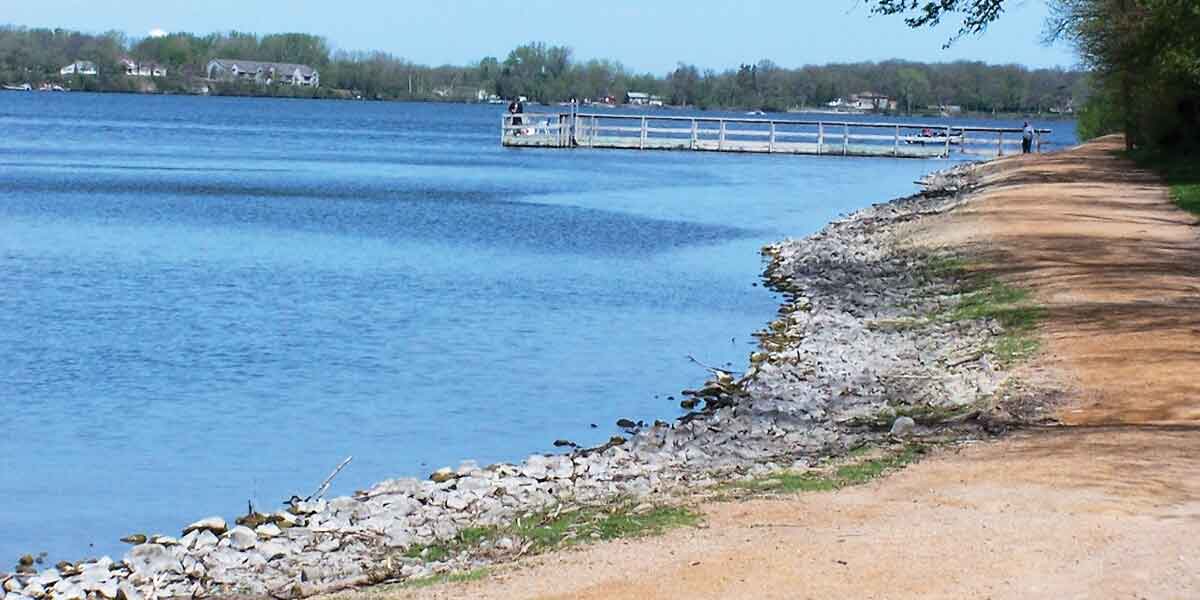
point(767, 136)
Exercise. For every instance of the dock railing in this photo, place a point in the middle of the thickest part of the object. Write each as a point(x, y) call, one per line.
point(783, 136)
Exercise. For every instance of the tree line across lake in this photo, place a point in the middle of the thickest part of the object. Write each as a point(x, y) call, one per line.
point(541, 72)
point(1144, 57)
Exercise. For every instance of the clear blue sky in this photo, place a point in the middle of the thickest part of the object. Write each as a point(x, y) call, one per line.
point(645, 35)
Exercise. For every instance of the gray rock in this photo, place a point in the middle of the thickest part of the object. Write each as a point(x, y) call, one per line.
point(902, 427)
point(12, 585)
point(151, 560)
point(216, 525)
point(35, 591)
point(328, 546)
point(457, 501)
point(242, 538)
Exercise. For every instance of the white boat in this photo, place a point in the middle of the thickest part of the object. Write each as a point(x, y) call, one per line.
point(19, 88)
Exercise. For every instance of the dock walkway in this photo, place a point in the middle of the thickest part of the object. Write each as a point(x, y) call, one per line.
point(768, 136)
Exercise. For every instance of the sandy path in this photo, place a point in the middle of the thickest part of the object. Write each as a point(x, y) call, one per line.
point(1107, 508)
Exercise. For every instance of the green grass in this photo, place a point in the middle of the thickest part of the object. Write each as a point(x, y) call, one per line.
point(552, 529)
point(1182, 173)
point(465, 577)
point(857, 471)
point(620, 520)
point(1011, 307)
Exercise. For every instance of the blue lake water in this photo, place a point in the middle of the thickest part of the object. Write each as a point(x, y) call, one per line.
point(209, 301)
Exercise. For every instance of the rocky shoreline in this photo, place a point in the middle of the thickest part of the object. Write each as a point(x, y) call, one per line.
point(849, 358)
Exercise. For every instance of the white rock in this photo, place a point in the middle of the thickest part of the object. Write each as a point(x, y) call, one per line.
point(534, 468)
point(12, 585)
point(107, 589)
point(268, 531)
point(216, 525)
point(35, 591)
point(152, 559)
point(189, 540)
point(242, 538)
point(127, 591)
point(272, 550)
point(46, 578)
point(65, 590)
point(204, 540)
point(329, 546)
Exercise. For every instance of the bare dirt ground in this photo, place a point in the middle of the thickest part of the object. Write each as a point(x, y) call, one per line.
point(1107, 506)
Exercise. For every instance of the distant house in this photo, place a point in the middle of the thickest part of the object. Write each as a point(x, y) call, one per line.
point(872, 101)
point(80, 67)
point(643, 99)
point(135, 69)
point(268, 73)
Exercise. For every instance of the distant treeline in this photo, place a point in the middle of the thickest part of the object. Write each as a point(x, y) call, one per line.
point(538, 71)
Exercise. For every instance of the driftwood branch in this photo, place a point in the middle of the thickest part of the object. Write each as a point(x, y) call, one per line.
point(714, 370)
point(328, 480)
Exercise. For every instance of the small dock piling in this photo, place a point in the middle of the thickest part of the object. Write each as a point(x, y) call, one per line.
point(757, 135)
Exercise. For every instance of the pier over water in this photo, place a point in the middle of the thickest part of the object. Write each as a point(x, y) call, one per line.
point(759, 135)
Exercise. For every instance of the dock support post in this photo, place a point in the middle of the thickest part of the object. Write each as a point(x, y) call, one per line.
point(820, 137)
point(695, 134)
point(896, 146)
point(948, 142)
point(845, 139)
point(771, 143)
point(721, 137)
point(999, 143)
point(1038, 135)
point(642, 140)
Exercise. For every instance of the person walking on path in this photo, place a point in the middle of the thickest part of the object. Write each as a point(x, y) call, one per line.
point(1026, 138)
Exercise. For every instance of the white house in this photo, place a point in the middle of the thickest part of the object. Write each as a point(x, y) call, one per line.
point(80, 67)
point(226, 69)
point(134, 69)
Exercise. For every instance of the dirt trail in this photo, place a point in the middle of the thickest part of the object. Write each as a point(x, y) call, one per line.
point(1106, 508)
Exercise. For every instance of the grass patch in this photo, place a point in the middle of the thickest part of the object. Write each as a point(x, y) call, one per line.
point(1182, 173)
point(1011, 307)
point(944, 266)
point(465, 577)
point(622, 520)
point(857, 471)
point(552, 529)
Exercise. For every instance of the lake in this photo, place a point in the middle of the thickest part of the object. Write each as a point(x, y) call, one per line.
point(206, 302)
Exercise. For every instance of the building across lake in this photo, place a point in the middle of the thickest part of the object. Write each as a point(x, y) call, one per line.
point(227, 69)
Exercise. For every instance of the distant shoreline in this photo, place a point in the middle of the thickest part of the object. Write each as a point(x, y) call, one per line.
point(627, 107)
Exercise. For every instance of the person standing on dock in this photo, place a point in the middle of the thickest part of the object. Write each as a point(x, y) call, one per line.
point(515, 108)
point(1027, 138)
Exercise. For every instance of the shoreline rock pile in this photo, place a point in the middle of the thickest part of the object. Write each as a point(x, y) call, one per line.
point(841, 350)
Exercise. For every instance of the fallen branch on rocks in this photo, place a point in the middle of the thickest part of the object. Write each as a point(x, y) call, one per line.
point(328, 480)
